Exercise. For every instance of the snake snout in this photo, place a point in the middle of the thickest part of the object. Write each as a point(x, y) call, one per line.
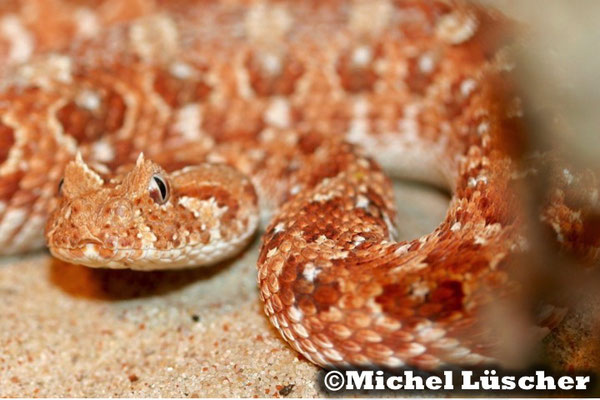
point(79, 225)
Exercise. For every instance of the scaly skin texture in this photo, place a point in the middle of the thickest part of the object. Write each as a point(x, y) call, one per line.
point(248, 111)
point(205, 213)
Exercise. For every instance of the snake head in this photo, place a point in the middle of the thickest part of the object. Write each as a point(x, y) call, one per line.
point(142, 217)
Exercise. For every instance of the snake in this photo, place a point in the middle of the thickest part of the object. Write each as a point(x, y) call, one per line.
point(164, 135)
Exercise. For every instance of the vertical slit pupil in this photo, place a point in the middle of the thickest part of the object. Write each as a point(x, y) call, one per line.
point(161, 186)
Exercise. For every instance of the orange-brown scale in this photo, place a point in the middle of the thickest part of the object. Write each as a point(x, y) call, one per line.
point(177, 92)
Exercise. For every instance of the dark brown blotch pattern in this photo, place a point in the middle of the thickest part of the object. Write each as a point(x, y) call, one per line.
point(89, 125)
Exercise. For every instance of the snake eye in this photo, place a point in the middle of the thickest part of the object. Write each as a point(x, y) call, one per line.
point(159, 190)
point(60, 185)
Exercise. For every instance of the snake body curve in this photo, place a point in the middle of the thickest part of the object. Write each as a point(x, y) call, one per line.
point(171, 136)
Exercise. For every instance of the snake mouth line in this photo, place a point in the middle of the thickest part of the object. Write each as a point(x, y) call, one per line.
point(93, 255)
point(142, 259)
point(107, 249)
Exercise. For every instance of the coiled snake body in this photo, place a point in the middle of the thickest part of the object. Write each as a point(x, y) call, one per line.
point(275, 112)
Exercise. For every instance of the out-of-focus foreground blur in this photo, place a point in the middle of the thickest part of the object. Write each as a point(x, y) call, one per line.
point(558, 69)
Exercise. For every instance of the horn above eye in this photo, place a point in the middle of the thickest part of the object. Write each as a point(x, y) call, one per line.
point(159, 189)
